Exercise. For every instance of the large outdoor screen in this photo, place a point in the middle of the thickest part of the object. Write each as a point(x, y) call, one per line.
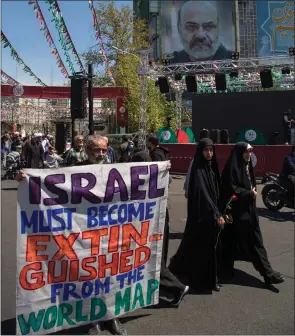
point(197, 30)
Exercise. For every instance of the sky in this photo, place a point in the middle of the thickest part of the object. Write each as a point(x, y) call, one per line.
point(22, 29)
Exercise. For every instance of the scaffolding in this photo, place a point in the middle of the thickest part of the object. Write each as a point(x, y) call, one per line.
point(223, 65)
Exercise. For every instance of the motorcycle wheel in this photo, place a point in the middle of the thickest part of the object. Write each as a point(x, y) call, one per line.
point(268, 193)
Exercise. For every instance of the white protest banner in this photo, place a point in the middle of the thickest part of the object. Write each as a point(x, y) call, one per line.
point(89, 243)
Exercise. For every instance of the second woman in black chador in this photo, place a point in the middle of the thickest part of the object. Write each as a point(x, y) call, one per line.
point(195, 262)
point(242, 240)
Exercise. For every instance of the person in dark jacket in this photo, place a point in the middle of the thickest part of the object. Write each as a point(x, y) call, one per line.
point(242, 240)
point(111, 155)
point(157, 152)
point(122, 151)
point(33, 152)
point(288, 172)
point(141, 156)
point(17, 144)
point(5, 147)
point(288, 120)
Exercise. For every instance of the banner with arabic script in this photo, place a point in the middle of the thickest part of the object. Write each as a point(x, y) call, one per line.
point(276, 30)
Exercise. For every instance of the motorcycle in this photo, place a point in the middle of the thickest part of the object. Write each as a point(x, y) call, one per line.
point(275, 194)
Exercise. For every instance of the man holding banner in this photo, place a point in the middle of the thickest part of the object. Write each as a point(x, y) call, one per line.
point(108, 261)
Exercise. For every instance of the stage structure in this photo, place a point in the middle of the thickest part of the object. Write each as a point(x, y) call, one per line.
point(225, 65)
point(247, 76)
point(178, 95)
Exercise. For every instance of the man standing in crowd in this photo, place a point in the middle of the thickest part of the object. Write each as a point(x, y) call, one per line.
point(77, 153)
point(288, 120)
point(288, 172)
point(198, 28)
point(5, 147)
point(157, 152)
point(123, 155)
point(168, 282)
point(45, 144)
point(33, 152)
point(96, 150)
point(111, 153)
point(17, 143)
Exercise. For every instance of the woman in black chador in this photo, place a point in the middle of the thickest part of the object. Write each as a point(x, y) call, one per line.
point(195, 262)
point(242, 240)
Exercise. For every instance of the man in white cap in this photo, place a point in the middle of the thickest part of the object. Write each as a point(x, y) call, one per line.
point(33, 152)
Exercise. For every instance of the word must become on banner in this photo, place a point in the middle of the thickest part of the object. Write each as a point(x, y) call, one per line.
point(56, 220)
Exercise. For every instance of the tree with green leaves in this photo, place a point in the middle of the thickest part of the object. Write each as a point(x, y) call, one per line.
point(123, 36)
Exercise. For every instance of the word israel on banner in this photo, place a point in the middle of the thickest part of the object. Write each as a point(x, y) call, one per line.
point(89, 243)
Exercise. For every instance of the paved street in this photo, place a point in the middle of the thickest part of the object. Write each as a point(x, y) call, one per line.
point(242, 307)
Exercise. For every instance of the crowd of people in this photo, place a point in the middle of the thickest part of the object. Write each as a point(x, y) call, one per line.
point(211, 242)
point(31, 149)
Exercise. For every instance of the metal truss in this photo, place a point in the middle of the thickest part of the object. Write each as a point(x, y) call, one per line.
point(224, 65)
point(178, 96)
point(142, 71)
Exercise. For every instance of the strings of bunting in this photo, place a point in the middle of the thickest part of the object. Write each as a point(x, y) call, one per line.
point(28, 112)
point(48, 37)
point(62, 29)
point(99, 38)
point(9, 79)
point(61, 39)
point(19, 60)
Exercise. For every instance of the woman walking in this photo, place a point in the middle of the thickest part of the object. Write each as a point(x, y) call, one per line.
point(242, 240)
point(195, 262)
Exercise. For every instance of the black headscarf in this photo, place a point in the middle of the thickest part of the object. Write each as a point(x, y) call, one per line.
point(234, 175)
point(141, 156)
point(204, 185)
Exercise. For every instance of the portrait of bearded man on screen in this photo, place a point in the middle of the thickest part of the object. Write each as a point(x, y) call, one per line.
point(199, 32)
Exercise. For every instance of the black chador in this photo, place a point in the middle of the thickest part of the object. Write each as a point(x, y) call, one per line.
point(195, 262)
point(242, 240)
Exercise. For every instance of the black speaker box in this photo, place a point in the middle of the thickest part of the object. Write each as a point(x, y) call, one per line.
point(60, 137)
point(266, 78)
point(204, 133)
point(191, 84)
point(78, 98)
point(220, 81)
point(163, 85)
point(224, 136)
point(215, 135)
